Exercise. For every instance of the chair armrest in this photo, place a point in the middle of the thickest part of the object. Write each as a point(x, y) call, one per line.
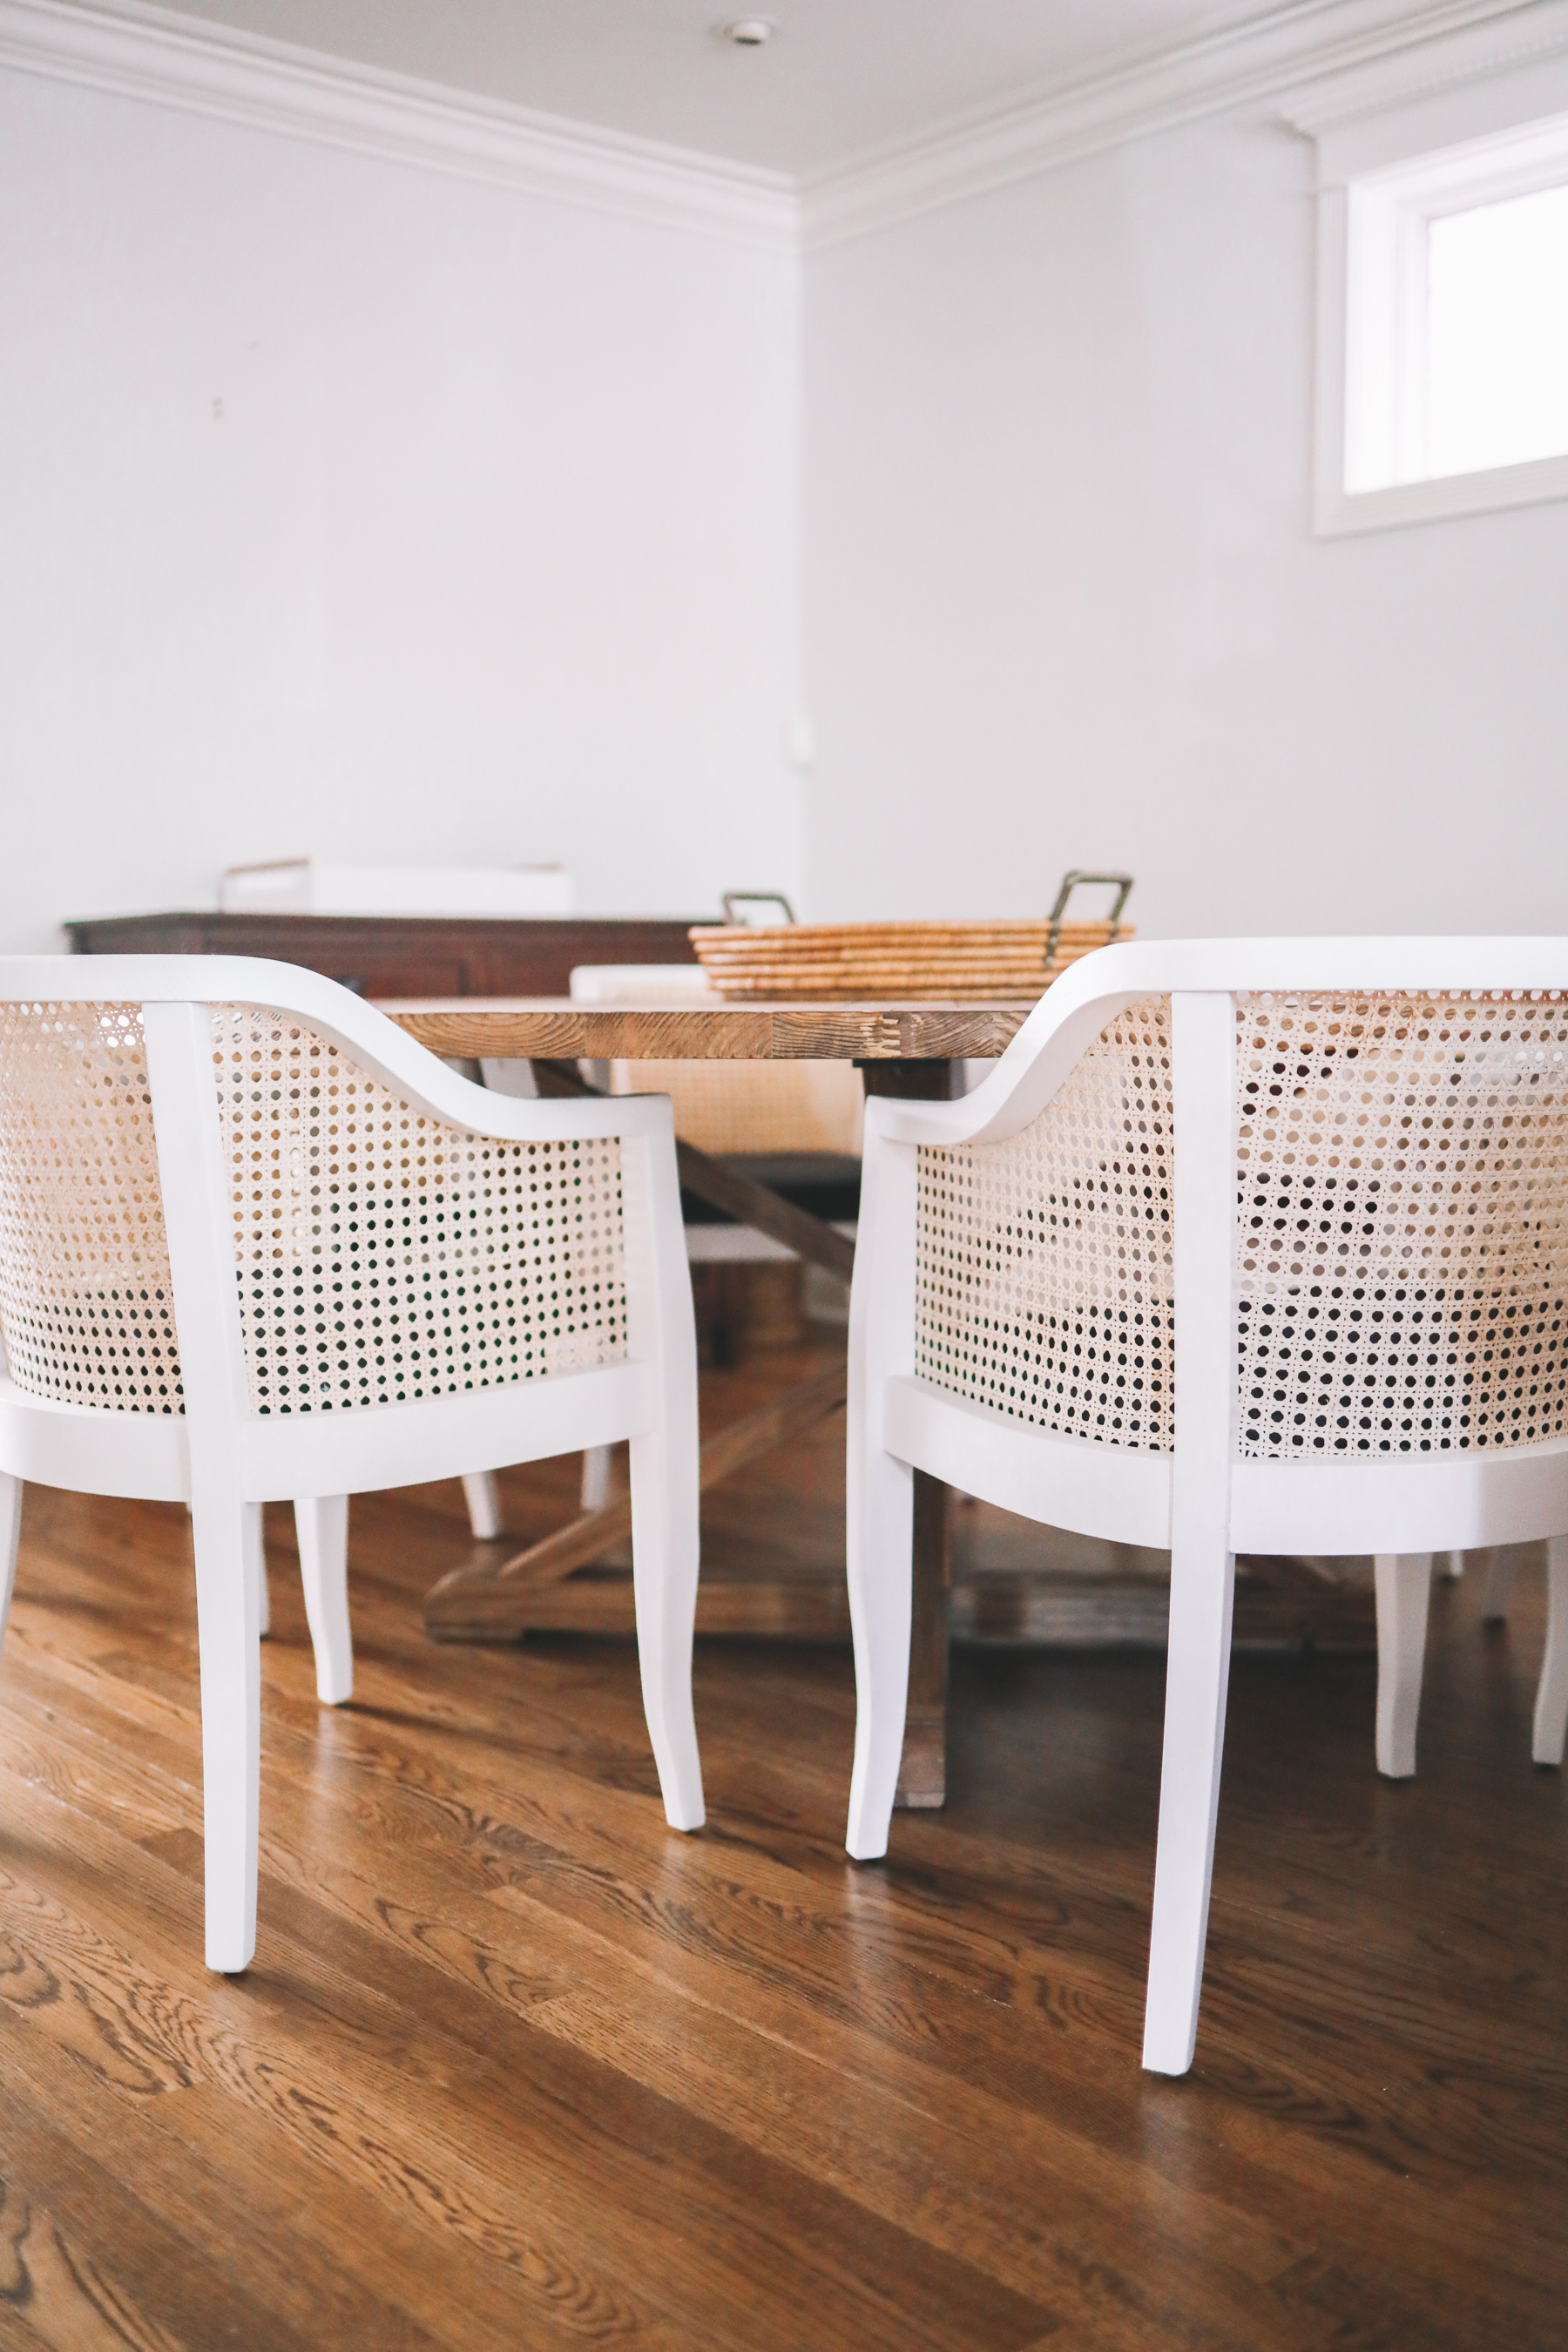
point(1062, 1026)
point(423, 1079)
point(360, 1030)
point(1090, 993)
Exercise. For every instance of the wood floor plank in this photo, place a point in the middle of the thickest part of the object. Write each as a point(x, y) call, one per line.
point(1307, 2105)
point(288, 2092)
point(515, 2074)
point(516, 2064)
point(354, 2272)
point(1006, 2130)
point(84, 2263)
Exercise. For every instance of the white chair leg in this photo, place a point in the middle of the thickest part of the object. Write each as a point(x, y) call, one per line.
point(878, 1529)
point(1502, 1566)
point(10, 1536)
point(665, 1549)
point(226, 1544)
point(596, 1477)
point(1197, 1677)
point(1551, 1727)
point(321, 1525)
point(879, 1570)
point(256, 1569)
point(1404, 1582)
point(483, 1500)
point(1451, 1564)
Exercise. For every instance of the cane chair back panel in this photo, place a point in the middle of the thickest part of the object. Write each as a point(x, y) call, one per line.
point(385, 1255)
point(1402, 1248)
point(1402, 1233)
point(754, 1106)
point(381, 1255)
point(86, 1296)
point(1043, 1271)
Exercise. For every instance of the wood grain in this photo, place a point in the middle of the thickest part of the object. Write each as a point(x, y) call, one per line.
point(516, 2064)
point(553, 1029)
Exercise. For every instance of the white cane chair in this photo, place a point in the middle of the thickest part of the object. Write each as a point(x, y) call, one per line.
point(256, 1244)
point(1245, 1245)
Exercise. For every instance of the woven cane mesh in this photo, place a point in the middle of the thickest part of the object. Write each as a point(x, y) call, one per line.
point(385, 1255)
point(85, 1301)
point(1403, 1260)
point(754, 1106)
point(1043, 1285)
point(1401, 1238)
point(381, 1255)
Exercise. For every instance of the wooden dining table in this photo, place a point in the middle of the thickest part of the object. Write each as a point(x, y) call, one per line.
point(912, 1051)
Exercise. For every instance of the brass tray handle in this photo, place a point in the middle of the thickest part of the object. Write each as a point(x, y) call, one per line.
point(733, 898)
point(1070, 880)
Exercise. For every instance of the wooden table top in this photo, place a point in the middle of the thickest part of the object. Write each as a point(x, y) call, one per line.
point(552, 1028)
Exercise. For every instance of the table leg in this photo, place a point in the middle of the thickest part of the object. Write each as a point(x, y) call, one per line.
point(498, 1604)
point(922, 1776)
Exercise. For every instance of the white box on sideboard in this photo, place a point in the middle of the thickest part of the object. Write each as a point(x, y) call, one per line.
point(306, 886)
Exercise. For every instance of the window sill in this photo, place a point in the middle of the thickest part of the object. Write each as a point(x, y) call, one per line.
point(1340, 513)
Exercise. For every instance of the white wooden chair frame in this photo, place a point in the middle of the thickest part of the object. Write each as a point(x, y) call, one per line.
point(227, 1461)
point(1203, 1501)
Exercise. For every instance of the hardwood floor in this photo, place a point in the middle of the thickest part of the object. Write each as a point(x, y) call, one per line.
point(517, 2066)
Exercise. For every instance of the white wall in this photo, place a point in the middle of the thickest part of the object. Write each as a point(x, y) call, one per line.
point(1063, 602)
point(490, 555)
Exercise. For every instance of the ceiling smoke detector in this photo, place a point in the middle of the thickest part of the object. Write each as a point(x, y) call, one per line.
point(749, 32)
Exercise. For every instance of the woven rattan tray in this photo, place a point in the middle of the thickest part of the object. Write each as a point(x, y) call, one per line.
point(905, 964)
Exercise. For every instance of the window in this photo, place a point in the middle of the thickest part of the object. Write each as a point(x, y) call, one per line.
point(1497, 334)
point(1443, 305)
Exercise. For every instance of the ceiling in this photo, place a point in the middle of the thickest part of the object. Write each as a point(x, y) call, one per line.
point(839, 78)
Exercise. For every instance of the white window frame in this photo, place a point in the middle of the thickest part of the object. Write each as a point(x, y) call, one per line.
point(1384, 174)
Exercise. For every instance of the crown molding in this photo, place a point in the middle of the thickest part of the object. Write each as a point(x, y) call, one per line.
point(1333, 59)
point(1327, 42)
point(136, 51)
point(1519, 39)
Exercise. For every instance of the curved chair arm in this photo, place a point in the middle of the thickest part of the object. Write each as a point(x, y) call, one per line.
point(1093, 990)
point(374, 1040)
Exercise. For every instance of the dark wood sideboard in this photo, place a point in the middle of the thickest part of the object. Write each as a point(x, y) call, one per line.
point(406, 955)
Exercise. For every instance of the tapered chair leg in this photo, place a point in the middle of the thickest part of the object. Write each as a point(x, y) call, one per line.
point(1451, 1564)
point(1502, 1566)
point(321, 1525)
point(229, 1640)
point(1197, 1677)
point(1551, 1727)
point(881, 1581)
point(484, 1505)
point(665, 1551)
point(10, 1536)
point(1404, 1582)
point(596, 1477)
